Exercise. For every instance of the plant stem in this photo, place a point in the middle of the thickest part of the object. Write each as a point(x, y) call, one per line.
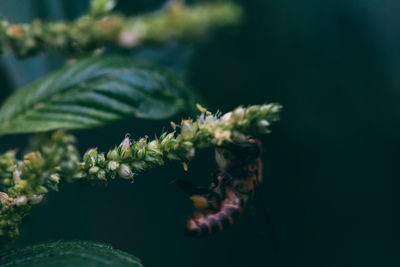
point(100, 27)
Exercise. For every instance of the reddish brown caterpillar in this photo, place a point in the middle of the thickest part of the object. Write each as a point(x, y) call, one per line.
point(221, 204)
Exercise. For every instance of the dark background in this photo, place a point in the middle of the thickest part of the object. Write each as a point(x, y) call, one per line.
point(331, 164)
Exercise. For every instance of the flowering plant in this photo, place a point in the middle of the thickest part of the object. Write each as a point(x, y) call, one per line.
point(99, 90)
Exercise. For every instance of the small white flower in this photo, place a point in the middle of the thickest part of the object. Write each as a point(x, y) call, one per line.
point(20, 201)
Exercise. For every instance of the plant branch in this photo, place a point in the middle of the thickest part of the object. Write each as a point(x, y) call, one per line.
point(56, 159)
point(100, 27)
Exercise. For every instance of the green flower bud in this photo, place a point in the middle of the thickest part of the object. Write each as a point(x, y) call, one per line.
point(171, 156)
point(124, 148)
point(238, 137)
point(41, 190)
point(90, 156)
point(243, 123)
point(34, 161)
point(94, 170)
point(71, 148)
point(168, 138)
point(220, 159)
point(35, 199)
point(252, 110)
point(188, 147)
point(73, 157)
point(101, 175)
point(139, 165)
point(263, 126)
point(55, 178)
point(265, 108)
point(101, 7)
point(112, 154)
point(101, 158)
point(141, 153)
point(275, 108)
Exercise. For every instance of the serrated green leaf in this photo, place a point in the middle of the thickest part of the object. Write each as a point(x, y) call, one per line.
point(68, 253)
point(94, 92)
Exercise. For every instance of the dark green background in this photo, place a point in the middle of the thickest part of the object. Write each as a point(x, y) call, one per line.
point(331, 164)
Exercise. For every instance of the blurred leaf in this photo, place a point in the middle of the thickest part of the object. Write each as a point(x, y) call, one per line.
point(94, 92)
point(68, 253)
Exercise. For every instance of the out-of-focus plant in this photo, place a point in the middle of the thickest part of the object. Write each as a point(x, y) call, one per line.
point(100, 90)
point(101, 27)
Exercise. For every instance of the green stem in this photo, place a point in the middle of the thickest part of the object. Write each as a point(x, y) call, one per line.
point(100, 28)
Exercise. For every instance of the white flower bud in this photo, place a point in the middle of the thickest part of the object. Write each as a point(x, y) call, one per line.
point(125, 172)
point(265, 108)
point(16, 175)
point(226, 117)
point(126, 143)
point(238, 113)
point(153, 146)
point(187, 130)
point(94, 170)
point(129, 38)
point(263, 123)
point(20, 201)
point(112, 165)
point(35, 199)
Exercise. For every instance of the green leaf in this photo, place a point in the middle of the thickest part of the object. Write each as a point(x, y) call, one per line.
point(94, 92)
point(68, 253)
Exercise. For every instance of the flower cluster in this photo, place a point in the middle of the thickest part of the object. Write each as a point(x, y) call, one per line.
point(100, 27)
point(24, 182)
point(133, 157)
point(54, 157)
